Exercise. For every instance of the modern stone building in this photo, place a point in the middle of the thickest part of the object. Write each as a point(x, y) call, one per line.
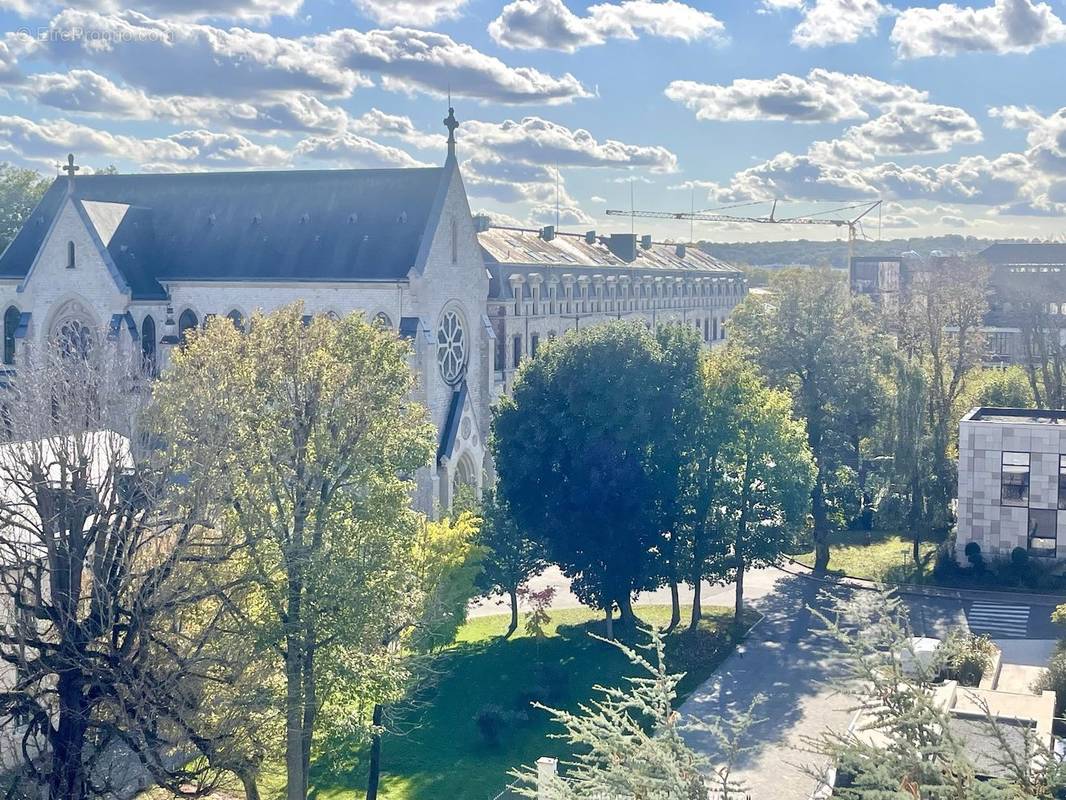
point(1012, 481)
point(143, 259)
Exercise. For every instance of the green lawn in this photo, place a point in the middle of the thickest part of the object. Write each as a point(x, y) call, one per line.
point(876, 555)
point(443, 756)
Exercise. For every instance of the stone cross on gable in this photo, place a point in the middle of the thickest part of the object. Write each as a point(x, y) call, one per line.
point(70, 167)
point(451, 123)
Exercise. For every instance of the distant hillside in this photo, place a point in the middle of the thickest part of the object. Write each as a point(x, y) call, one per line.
point(803, 252)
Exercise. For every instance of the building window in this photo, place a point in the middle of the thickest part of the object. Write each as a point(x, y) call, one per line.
point(1062, 482)
point(188, 321)
point(1043, 524)
point(71, 260)
point(1014, 480)
point(534, 340)
point(451, 348)
point(237, 318)
point(516, 351)
point(148, 344)
point(11, 323)
point(382, 320)
point(455, 242)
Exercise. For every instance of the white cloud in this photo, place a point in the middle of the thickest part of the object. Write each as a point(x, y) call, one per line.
point(354, 151)
point(550, 25)
point(379, 123)
point(410, 12)
point(1008, 26)
point(908, 129)
point(827, 22)
point(173, 58)
point(1017, 117)
point(821, 96)
point(563, 215)
point(410, 59)
point(540, 141)
point(174, 9)
point(31, 141)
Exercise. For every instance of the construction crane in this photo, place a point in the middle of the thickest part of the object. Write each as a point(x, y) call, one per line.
point(853, 223)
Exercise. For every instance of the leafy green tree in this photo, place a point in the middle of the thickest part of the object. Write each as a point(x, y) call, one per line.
point(630, 742)
point(20, 191)
point(676, 447)
point(573, 447)
point(769, 475)
point(812, 337)
point(304, 430)
point(510, 557)
point(941, 327)
point(725, 383)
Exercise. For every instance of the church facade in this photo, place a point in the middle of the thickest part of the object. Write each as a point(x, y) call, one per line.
point(143, 259)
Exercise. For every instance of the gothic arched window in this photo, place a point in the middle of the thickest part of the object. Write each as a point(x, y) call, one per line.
point(186, 322)
point(237, 318)
point(74, 338)
point(381, 319)
point(451, 348)
point(71, 260)
point(11, 323)
point(148, 344)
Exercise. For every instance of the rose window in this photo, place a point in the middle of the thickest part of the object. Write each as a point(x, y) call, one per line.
point(451, 348)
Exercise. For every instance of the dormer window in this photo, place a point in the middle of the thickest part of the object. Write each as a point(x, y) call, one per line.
point(71, 258)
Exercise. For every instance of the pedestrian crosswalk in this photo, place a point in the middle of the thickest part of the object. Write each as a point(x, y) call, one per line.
point(999, 620)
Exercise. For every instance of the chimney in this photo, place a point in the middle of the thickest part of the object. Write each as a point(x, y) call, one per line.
point(680, 250)
point(645, 242)
point(482, 222)
point(623, 245)
point(590, 237)
point(547, 233)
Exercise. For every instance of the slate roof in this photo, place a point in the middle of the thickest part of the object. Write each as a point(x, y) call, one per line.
point(1025, 253)
point(299, 225)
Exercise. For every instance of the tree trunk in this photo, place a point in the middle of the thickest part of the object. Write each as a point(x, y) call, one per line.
point(67, 781)
point(675, 607)
point(294, 741)
point(609, 618)
point(375, 757)
point(625, 611)
point(251, 788)
point(514, 613)
point(310, 701)
point(738, 613)
point(821, 526)
point(697, 612)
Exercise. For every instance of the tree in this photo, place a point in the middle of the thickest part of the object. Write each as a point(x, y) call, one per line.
point(674, 451)
point(724, 385)
point(630, 742)
point(111, 581)
point(941, 326)
point(573, 447)
point(306, 429)
point(20, 192)
point(510, 559)
point(811, 337)
point(769, 475)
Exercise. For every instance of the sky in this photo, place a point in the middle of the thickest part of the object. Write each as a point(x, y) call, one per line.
point(951, 113)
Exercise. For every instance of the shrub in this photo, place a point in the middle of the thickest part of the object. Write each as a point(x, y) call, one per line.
point(1019, 558)
point(973, 555)
point(491, 721)
point(1055, 678)
point(890, 513)
point(947, 564)
point(966, 656)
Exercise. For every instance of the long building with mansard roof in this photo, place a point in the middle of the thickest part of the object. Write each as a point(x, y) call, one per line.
point(142, 259)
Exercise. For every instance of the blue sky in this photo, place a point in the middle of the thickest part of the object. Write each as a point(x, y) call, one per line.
point(949, 112)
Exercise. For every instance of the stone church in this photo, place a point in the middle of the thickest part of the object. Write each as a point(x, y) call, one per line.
point(142, 259)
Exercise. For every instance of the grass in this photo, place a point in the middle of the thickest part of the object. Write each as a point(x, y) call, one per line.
point(884, 556)
point(443, 755)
